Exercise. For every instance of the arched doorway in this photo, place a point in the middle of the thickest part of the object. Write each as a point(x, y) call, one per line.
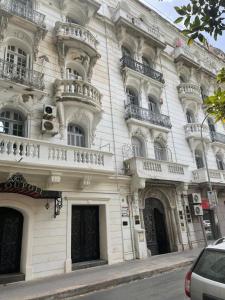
point(11, 230)
point(155, 227)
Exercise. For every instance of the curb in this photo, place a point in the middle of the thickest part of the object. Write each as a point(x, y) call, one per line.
point(79, 291)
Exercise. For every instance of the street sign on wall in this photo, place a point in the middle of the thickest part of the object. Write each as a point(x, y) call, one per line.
point(212, 196)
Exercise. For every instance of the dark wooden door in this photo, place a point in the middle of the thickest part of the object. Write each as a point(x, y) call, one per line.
point(85, 233)
point(11, 230)
point(161, 234)
point(155, 227)
point(150, 229)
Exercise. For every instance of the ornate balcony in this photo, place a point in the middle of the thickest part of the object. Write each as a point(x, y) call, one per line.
point(154, 120)
point(129, 62)
point(76, 36)
point(17, 9)
point(138, 27)
point(31, 153)
point(21, 79)
point(155, 170)
point(193, 132)
point(184, 54)
point(79, 91)
point(189, 91)
point(218, 137)
point(216, 176)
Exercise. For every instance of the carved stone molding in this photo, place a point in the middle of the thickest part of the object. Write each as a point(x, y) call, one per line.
point(38, 37)
point(137, 184)
point(4, 20)
point(85, 182)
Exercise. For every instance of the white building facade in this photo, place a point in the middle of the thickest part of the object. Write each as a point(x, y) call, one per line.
point(101, 105)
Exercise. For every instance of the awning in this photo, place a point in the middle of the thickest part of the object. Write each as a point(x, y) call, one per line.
point(17, 184)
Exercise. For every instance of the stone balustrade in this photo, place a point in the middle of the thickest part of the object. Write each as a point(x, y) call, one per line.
point(77, 32)
point(152, 30)
point(185, 53)
point(41, 153)
point(189, 91)
point(193, 130)
point(76, 89)
point(155, 169)
point(216, 176)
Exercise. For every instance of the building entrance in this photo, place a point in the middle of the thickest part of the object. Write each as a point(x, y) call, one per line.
point(155, 227)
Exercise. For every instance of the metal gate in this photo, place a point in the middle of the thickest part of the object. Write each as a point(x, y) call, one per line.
point(11, 230)
point(85, 233)
point(155, 227)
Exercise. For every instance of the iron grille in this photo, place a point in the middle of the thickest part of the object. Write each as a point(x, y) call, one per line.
point(127, 61)
point(19, 9)
point(20, 74)
point(217, 137)
point(139, 113)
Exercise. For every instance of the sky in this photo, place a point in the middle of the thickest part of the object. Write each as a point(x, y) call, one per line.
point(166, 9)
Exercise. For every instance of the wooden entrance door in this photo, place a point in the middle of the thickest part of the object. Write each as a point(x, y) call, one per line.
point(11, 230)
point(155, 227)
point(85, 233)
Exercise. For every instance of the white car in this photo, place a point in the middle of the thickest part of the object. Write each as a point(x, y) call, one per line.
point(206, 278)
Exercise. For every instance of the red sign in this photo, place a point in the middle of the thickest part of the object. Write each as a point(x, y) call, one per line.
point(205, 203)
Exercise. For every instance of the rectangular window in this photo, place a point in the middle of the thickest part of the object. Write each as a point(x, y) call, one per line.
point(211, 265)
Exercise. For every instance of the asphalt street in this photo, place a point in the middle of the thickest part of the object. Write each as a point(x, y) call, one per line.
point(167, 286)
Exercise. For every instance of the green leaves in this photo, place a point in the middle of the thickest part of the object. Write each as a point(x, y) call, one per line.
point(216, 105)
point(221, 76)
point(201, 16)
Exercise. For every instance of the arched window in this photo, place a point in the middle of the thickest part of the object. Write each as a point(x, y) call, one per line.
point(27, 3)
point(126, 51)
point(12, 122)
point(160, 151)
point(211, 124)
point(73, 74)
point(76, 136)
point(153, 107)
point(199, 159)
point(137, 147)
point(132, 96)
point(219, 161)
point(72, 20)
point(17, 61)
point(182, 79)
point(146, 62)
point(190, 116)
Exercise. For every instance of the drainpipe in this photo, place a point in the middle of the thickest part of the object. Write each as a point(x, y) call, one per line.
point(113, 128)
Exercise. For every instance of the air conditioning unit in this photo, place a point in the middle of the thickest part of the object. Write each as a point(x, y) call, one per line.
point(50, 127)
point(198, 210)
point(49, 112)
point(195, 198)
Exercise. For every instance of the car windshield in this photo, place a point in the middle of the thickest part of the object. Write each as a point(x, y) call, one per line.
point(211, 265)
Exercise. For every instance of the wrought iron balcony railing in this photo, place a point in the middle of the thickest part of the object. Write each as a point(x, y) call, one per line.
point(139, 113)
point(127, 61)
point(24, 11)
point(217, 137)
point(21, 75)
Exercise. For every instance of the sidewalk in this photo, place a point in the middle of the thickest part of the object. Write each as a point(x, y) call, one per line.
point(89, 280)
